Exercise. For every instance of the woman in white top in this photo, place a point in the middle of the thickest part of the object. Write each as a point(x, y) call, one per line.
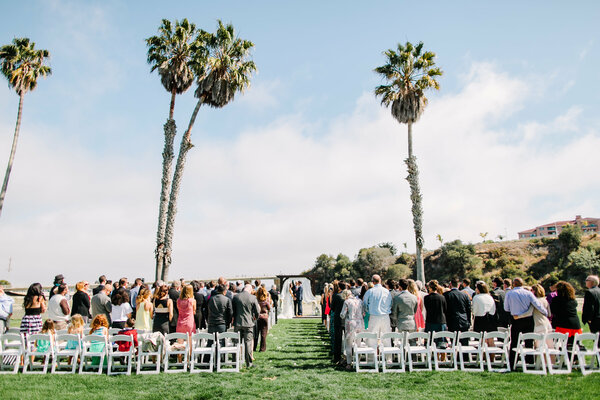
point(484, 311)
point(121, 309)
point(352, 313)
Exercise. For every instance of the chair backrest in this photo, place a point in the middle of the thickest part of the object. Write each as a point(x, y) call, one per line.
point(366, 335)
point(444, 335)
point(114, 331)
point(228, 335)
point(530, 336)
point(470, 335)
point(418, 336)
point(579, 337)
point(14, 330)
point(120, 338)
point(496, 335)
point(559, 339)
point(61, 331)
point(11, 341)
point(63, 338)
point(201, 339)
point(177, 335)
point(88, 340)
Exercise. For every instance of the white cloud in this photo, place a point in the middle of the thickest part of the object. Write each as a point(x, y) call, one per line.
point(276, 197)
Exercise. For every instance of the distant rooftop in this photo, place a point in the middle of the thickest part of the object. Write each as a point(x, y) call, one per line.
point(553, 229)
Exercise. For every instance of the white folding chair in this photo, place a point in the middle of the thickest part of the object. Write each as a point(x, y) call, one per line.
point(12, 349)
point(500, 349)
point(33, 352)
point(150, 350)
point(232, 346)
point(362, 347)
point(177, 349)
point(113, 331)
point(93, 349)
point(70, 356)
point(61, 331)
point(417, 346)
point(115, 354)
point(474, 348)
point(537, 351)
point(581, 352)
point(201, 350)
point(392, 357)
point(556, 347)
point(447, 347)
point(13, 330)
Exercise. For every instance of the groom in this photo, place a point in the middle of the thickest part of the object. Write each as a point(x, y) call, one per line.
point(298, 298)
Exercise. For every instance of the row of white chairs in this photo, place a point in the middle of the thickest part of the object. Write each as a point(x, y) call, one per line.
point(470, 351)
point(175, 352)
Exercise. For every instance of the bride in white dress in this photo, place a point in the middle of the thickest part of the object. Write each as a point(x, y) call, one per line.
point(287, 302)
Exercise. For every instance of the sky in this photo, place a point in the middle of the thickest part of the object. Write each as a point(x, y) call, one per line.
point(306, 161)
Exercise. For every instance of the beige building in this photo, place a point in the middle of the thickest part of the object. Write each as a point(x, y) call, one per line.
point(588, 225)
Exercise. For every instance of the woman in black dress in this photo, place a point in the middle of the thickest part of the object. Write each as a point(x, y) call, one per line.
point(163, 310)
point(81, 301)
point(564, 311)
point(199, 297)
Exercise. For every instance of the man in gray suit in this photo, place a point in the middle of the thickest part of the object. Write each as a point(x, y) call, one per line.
point(404, 307)
point(245, 312)
point(101, 303)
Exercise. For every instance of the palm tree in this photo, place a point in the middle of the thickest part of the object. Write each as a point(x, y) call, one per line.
point(226, 71)
point(22, 65)
point(171, 53)
point(409, 71)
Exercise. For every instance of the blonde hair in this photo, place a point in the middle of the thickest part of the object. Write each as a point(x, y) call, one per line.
point(76, 325)
point(99, 321)
point(79, 285)
point(187, 292)
point(538, 290)
point(346, 294)
point(412, 288)
point(261, 294)
point(142, 296)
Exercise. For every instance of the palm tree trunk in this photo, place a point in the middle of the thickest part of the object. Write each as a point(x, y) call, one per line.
point(12, 151)
point(170, 131)
point(184, 147)
point(172, 106)
point(417, 209)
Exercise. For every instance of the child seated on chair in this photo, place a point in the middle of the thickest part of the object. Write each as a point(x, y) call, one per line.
point(42, 346)
point(128, 330)
point(75, 328)
point(99, 327)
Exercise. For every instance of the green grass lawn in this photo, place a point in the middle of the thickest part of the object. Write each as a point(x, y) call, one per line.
point(297, 366)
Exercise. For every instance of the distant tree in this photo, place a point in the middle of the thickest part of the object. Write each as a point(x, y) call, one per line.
point(373, 260)
point(22, 64)
point(570, 239)
point(440, 239)
point(457, 259)
point(500, 237)
point(390, 246)
point(409, 72)
point(483, 235)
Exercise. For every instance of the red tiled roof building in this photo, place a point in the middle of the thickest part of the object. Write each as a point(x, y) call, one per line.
point(588, 226)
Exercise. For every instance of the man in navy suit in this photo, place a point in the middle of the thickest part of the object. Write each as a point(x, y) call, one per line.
point(299, 297)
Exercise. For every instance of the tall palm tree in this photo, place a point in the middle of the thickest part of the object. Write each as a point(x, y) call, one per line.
point(171, 53)
point(226, 71)
point(409, 72)
point(22, 65)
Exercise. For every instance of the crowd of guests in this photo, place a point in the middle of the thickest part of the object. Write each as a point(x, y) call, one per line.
point(178, 307)
point(349, 307)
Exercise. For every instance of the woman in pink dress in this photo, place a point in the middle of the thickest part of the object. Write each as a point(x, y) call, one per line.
point(186, 305)
point(419, 318)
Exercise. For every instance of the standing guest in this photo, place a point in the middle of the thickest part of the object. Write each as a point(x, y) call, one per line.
point(263, 318)
point(143, 310)
point(200, 300)
point(484, 311)
point(81, 301)
point(275, 298)
point(101, 303)
point(378, 303)
point(292, 290)
point(100, 287)
point(466, 288)
point(220, 311)
point(394, 291)
point(498, 294)
point(123, 284)
point(354, 288)
point(419, 317)
point(186, 304)
point(404, 307)
point(435, 304)
point(163, 310)
point(58, 307)
point(6, 310)
point(203, 289)
point(174, 293)
point(121, 309)
point(334, 289)
point(352, 314)
point(458, 309)
point(518, 303)
point(35, 305)
point(337, 304)
point(134, 291)
point(506, 283)
point(245, 311)
point(324, 304)
point(58, 280)
point(541, 322)
point(299, 296)
point(564, 311)
point(591, 304)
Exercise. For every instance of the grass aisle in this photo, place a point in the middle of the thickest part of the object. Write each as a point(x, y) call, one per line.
point(297, 366)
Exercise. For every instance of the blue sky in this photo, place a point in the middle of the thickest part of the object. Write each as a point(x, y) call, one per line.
point(306, 161)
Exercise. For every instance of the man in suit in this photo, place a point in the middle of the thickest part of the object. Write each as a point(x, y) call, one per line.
point(245, 312)
point(404, 307)
point(101, 303)
point(220, 312)
point(292, 290)
point(275, 297)
point(174, 295)
point(337, 303)
point(498, 294)
point(458, 309)
point(299, 297)
point(591, 304)
point(100, 287)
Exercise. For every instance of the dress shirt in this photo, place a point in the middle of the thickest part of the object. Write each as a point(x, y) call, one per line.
point(518, 301)
point(378, 301)
point(483, 303)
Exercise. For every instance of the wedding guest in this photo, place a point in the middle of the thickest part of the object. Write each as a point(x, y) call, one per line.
point(101, 283)
point(200, 306)
point(174, 293)
point(101, 303)
point(75, 328)
point(245, 311)
point(378, 303)
point(564, 311)
point(144, 310)
point(435, 304)
point(58, 280)
point(35, 305)
point(352, 314)
point(503, 318)
point(458, 309)
point(186, 304)
point(591, 304)
point(130, 330)
point(99, 327)
point(274, 293)
point(404, 307)
point(263, 318)
point(42, 345)
point(540, 321)
point(337, 304)
point(466, 288)
point(163, 310)
point(6, 310)
point(419, 317)
point(220, 311)
point(134, 292)
point(58, 307)
point(81, 301)
point(484, 311)
point(121, 309)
